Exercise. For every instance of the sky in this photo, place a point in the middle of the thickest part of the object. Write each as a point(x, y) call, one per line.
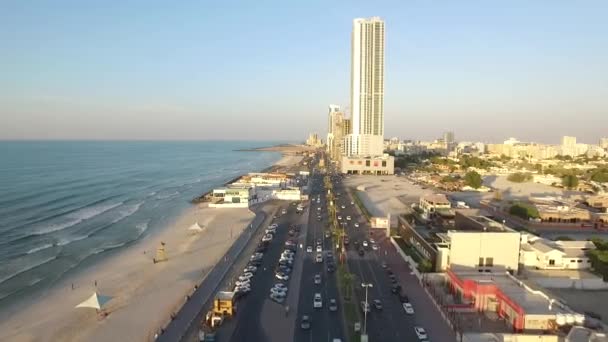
point(267, 70)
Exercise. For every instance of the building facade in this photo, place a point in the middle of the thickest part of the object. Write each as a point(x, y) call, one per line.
point(366, 165)
point(335, 133)
point(367, 88)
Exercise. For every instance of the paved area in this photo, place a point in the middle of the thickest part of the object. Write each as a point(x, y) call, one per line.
point(325, 325)
point(392, 323)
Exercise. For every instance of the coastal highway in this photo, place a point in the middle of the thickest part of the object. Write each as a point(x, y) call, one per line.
point(391, 323)
point(325, 325)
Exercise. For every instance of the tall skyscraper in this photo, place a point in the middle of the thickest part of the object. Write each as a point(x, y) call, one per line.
point(367, 88)
point(335, 132)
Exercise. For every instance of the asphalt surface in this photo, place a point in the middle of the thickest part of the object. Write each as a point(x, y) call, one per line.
point(325, 324)
point(391, 323)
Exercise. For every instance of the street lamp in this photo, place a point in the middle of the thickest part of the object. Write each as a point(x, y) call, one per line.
point(366, 286)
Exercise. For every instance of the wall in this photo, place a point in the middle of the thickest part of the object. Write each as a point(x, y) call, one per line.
point(409, 234)
point(538, 322)
point(567, 283)
point(467, 247)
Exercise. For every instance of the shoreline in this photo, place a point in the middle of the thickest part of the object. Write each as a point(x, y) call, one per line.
point(128, 275)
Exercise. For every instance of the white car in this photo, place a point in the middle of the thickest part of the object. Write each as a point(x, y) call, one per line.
point(241, 283)
point(372, 241)
point(333, 305)
point(309, 249)
point(317, 279)
point(352, 202)
point(282, 276)
point(348, 218)
point(319, 209)
point(251, 269)
point(409, 309)
point(421, 333)
point(343, 207)
point(317, 302)
point(365, 244)
point(319, 258)
point(356, 225)
point(246, 276)
point(339, 217)
point(375, 247)
point(319, 249)
point(267, 238)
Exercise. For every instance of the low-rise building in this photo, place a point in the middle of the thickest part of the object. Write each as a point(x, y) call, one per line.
point(368, 165)
point(520, 306)
point(231, 196)
point(598, 202)
point(430, 204)
point(544, 254)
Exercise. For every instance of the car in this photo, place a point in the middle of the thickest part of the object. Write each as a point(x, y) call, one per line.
point(285, 262)
point(243, 282)
point(365, 306)
point(347, 218)
point(392, 276)
point(318, 218)
point(267, 237)
point(283, 211)
point(408, 308)
point(403, 298)
point(421, 333)
point(290, 243)
point(319, 242)
point(339, 217)
point(251, 269)
point(273, 226)
point(384, 265)
point(246, 276)
point(372, 241)
point(305, 322)
point(277, 298)
point(365, 244)
point(282, 276)
point(375, 247)
point(361, 252)
point(396, 288)
point(317, 279)
point(318, 208)
point(356, 225)
point(309, 249)
point(255, 263)
point(317, 302)
point(343, 207)
point(319, 249)
point(284, 268)
point(352, 202)
point(346, 241)
point(280, 286)
point(377, 304)
point(319, 258)
point(278, 292)
point(291, 232)
point(330, 267)
point(333, 305)
point(327, 235)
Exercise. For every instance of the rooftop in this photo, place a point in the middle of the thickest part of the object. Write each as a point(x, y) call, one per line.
point(531, 301)
point(485, 223)
point(440, 199)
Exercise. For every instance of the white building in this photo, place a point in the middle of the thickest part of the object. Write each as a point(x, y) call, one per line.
point(544, 254)
point(367, 88)
point(430, 204)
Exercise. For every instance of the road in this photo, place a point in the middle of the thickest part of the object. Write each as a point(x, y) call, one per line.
point(391, 323)
point(325, 325)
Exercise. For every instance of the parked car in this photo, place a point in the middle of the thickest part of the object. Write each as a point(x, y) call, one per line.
point(408, 308)
point(365, 244)
point(356, 225)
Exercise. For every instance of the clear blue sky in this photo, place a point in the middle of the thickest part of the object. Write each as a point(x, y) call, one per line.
point(146, 69)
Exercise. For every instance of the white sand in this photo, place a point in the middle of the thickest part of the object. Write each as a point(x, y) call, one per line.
point(288, 160)
point(144, 293)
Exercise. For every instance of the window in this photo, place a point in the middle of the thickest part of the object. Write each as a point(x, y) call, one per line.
point(551, 262)
point(579, 260)
point(490, 262)
point(480, 261)
point(571, 260)
point(383, 163)
point(367, 163)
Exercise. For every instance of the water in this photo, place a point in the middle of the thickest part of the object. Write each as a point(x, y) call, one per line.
point(63, 204)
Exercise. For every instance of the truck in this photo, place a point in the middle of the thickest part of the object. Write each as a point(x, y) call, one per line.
point(223, 307)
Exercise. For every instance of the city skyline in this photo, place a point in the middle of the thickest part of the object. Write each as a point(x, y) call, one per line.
point(147, 71)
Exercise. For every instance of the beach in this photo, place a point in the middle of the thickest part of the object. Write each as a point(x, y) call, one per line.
point(144, 293)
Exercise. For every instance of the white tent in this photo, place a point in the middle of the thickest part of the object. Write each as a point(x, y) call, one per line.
point(96, 301)
point(196, 227)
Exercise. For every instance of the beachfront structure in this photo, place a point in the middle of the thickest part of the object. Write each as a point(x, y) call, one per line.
point(232, 196)
point(367, 165)
point(276, 180)
point(544, 254)
point(520, 306)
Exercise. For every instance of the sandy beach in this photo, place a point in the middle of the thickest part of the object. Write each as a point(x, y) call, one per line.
point(143, 293)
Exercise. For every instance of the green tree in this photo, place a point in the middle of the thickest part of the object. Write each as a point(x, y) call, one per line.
point(473, 179)
point(524, 210)
point(569, 181)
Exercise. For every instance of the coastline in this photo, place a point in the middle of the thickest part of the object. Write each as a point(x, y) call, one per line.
point(144, 294)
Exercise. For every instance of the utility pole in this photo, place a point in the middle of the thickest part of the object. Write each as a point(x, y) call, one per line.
point(364, 335)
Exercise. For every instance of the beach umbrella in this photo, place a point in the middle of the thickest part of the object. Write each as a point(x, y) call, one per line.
point(96, 301)
point(196, 227)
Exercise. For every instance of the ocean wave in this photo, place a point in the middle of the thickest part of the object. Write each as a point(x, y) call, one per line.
point(27, 268)
point(127, 211)
point(167, 196)
point(68, 240)
point(39, 248)
point(77, 217)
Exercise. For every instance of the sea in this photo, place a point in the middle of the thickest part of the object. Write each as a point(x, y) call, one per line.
point(67, 204)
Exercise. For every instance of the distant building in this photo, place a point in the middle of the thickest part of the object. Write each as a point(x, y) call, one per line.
point(604, 143)
point(368, 165)
point(430, 204)
point(335, 133)
point(313, 140)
